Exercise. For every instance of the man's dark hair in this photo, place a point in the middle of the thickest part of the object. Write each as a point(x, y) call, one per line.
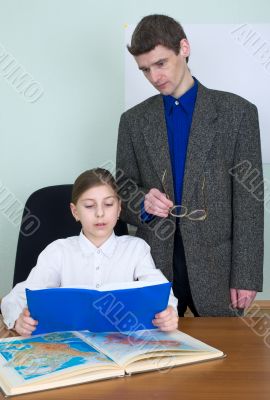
point(154, 30)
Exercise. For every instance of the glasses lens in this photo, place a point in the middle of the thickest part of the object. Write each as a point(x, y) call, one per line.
point(179, 211)
point(197, 215)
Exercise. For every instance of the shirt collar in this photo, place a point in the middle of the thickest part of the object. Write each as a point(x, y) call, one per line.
point(107, 248)
point(187, 100)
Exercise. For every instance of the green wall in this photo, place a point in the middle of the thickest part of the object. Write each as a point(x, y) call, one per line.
point(75, 51)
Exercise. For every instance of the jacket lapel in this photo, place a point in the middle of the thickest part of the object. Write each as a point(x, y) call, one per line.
point(201, 137)
point(156, 139)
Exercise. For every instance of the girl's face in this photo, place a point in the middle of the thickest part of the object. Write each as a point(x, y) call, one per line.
point(97, 209)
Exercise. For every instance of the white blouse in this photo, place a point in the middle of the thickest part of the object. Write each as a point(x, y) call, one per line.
point(76, 261)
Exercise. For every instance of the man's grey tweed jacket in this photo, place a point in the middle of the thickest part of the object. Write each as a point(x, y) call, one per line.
point(226, 250)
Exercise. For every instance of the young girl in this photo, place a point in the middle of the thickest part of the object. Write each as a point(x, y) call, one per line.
point(93, 258)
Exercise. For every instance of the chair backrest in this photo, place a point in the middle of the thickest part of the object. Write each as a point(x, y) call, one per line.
point(46, 217)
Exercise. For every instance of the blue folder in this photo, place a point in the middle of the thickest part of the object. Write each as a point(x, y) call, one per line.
point(73, 309)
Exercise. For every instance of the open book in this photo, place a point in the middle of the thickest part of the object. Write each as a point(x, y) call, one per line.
point(60, 359)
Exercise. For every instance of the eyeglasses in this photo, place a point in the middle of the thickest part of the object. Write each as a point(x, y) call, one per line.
point(181, 211)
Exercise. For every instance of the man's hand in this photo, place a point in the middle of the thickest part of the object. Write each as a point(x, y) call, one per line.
point(156, 203)
point(166, 320)
point(241, 298)
point(25, 325)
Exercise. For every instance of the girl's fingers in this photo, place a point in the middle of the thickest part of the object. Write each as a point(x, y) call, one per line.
point(167, 320)
point(30, 321)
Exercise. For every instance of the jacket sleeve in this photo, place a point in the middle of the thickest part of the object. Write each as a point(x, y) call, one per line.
point(248, 205)
point(128, 176)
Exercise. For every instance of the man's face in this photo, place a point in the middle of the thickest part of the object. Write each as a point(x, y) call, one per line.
point(165, 70)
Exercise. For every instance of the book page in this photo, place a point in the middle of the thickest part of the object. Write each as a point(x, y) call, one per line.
point(172, 360)
point(50, 356)
point(125, 348)
point(116, 285)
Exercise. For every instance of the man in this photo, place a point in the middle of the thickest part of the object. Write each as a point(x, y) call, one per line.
point(179, 158)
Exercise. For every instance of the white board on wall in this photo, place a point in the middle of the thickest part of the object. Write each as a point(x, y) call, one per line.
point(234, 58)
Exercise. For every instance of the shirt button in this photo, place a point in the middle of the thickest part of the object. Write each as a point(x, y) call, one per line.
point(97, 268)
point(176, 102)
point(98, 251)
point(97, 286)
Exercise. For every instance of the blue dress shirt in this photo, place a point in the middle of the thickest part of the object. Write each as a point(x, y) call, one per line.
point(178, 115)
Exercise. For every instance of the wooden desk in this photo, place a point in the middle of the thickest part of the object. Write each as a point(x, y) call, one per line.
point(245, 373)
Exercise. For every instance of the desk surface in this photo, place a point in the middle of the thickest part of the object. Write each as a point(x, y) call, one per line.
point(245, 373)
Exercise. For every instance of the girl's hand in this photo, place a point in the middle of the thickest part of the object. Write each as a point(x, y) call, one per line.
point(166, 320)
point(25, 325)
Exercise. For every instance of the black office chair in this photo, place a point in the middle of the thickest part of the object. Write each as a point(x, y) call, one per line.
point(46, 217)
